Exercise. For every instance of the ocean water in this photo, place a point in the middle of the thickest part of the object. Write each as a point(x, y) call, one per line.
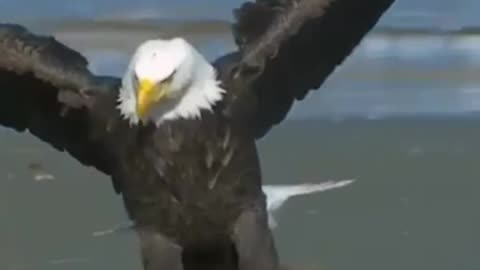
point(400, 116)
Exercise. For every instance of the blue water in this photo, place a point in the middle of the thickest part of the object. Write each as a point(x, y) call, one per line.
point(442, 13)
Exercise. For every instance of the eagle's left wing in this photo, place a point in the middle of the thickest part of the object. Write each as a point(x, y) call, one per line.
point(289, 47)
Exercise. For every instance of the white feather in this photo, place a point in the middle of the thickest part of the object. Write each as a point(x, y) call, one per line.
point(277, 195)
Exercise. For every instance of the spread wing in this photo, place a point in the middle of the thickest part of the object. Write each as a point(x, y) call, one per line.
point(47, 89)
point(289, 47)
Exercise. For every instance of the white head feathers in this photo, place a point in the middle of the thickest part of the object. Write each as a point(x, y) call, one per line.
point(193, 86)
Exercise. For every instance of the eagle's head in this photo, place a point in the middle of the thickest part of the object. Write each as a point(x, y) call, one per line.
point(165, 80)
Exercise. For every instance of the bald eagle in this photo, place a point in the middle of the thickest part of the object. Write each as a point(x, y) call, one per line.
point(177, 135)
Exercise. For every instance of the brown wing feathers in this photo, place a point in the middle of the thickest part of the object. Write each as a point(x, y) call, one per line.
point(44, 57)
point(290, 47)
point(46, 88)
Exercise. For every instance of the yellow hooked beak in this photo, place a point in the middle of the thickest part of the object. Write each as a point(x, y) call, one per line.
point(149, 93)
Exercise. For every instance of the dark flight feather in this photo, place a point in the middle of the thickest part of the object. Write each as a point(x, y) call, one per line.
point(289, 47)
point(47, 89)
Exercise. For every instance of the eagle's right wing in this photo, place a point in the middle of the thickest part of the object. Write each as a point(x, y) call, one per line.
point(47, 89)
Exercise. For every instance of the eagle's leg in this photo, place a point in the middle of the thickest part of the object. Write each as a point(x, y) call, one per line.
point(158, 252)
point(254, 242)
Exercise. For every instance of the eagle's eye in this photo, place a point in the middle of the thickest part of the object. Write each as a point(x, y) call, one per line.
point(169, 78)
point(135, 81)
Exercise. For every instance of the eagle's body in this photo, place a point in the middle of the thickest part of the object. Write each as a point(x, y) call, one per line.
point(177, 135)
point(214, 177)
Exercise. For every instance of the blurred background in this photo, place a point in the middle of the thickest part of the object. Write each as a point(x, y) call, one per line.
point(400, 116)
